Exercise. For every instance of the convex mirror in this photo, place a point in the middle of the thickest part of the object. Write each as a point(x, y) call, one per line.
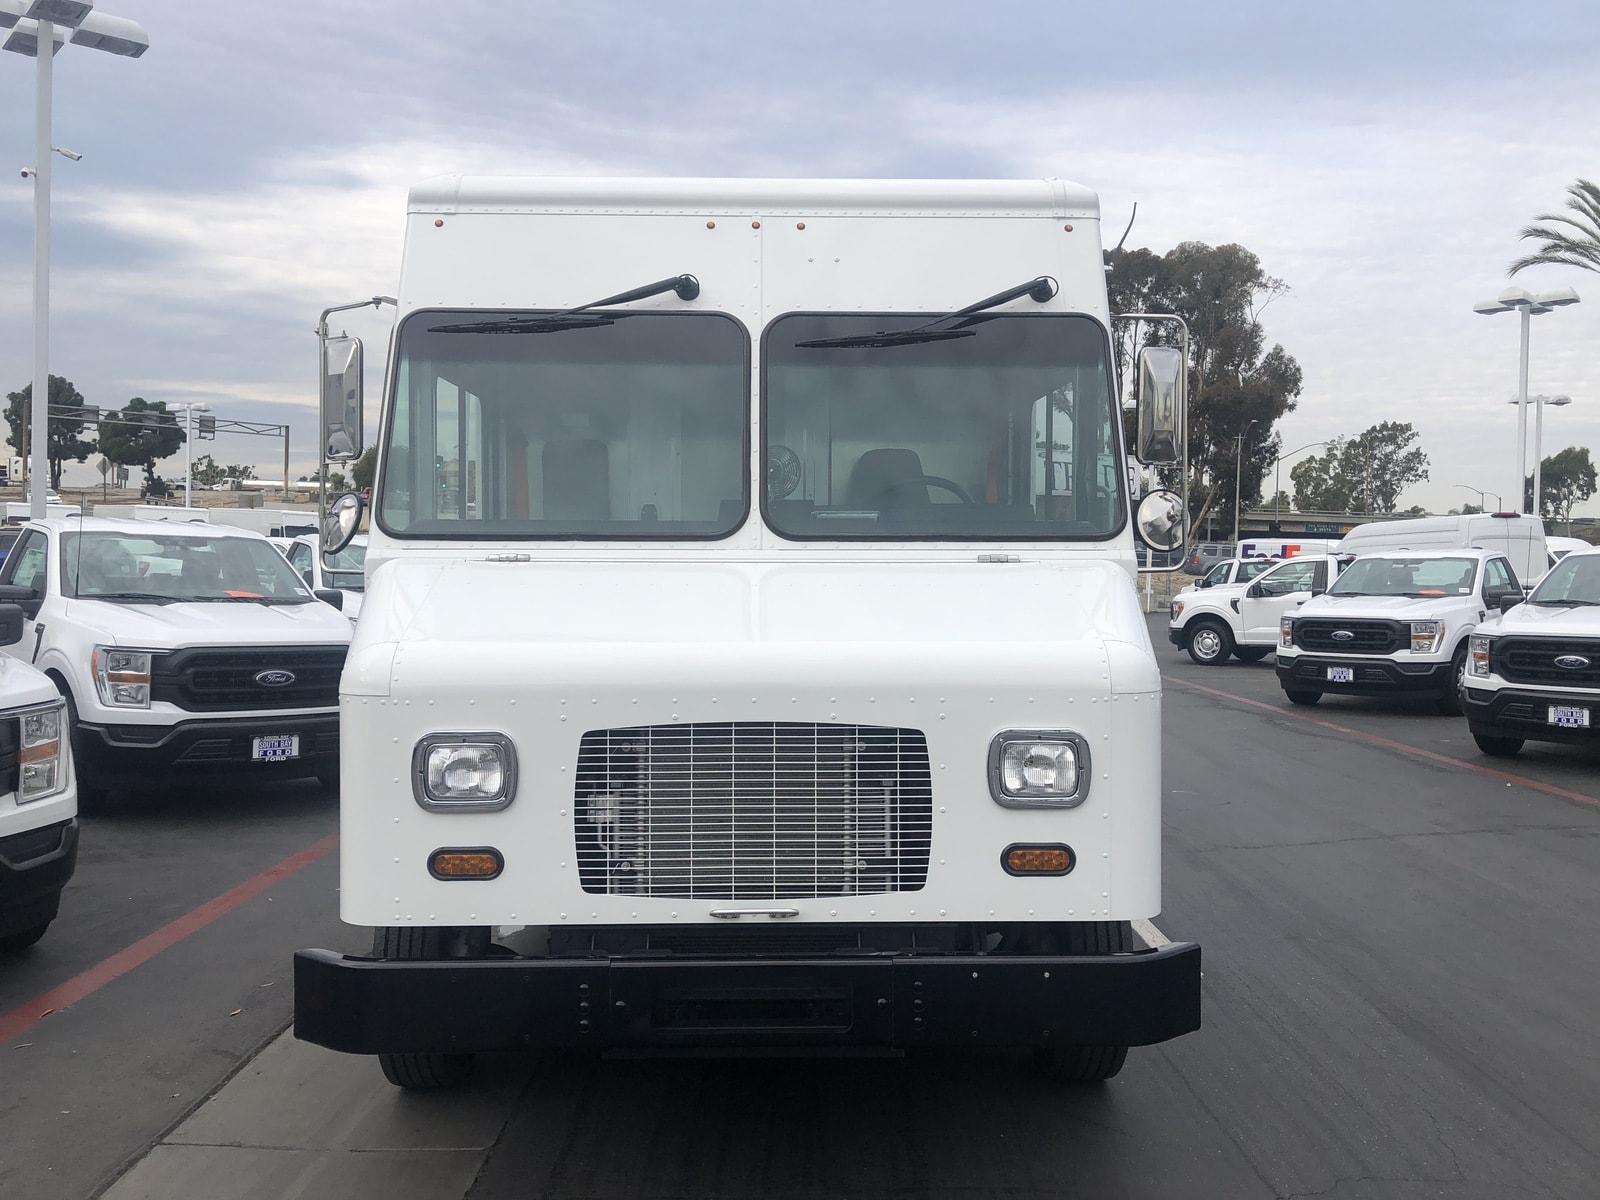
point(1159, 521)
point(341, 523)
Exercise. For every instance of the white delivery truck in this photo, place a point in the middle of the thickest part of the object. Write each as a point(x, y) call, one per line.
point(1279, 547)
point(269, 522)
point(751, 659)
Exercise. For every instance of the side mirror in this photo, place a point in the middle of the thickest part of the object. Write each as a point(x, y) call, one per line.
point(341, 523)
point(1316, 591)
point(1507, 603)
point(331, 596)
point(1254, 591)
point(306, 575)
point(341, 398)
point(1161, 400)
point(26, 599)
point(10, 624)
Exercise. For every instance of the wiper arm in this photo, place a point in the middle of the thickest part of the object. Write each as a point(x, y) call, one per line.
point(1039, 290)
point(686, 286)
point(126, 597)
point(1565, 603)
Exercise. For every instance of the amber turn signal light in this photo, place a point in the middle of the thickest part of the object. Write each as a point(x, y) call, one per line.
point(1053, 859)
point(476, 862)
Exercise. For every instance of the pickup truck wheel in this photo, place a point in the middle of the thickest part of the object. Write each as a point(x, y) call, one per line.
point(92, 793)
point(14, 943)
point(1251, 654)
point(428, 1071)
point(1079, 1064)
point(1209, 643)
point(1498, 747)
point(1449, 704)
point(1303, 697)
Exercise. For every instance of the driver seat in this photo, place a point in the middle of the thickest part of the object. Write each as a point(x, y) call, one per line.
point(887, 478)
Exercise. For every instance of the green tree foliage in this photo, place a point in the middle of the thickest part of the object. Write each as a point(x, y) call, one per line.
point(1362, 474)
point(1566, 479)
point(208, 472)
point(140, 433)
point(365, 468)
point(1220, 291)
point(65, 438)
point(1568, 241)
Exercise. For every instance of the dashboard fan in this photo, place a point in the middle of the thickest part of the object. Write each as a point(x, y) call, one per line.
point(783, 472)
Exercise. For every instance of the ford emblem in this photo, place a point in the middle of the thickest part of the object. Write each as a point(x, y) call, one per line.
point(274, 678)
point(1572, 662)
point(1343, 635)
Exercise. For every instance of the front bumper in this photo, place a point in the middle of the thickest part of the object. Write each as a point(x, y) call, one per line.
point(34, 867)
point(1175, 635)
point(1373, 676)
point(207, 744)
point(1515, 712)
point(364, 1006)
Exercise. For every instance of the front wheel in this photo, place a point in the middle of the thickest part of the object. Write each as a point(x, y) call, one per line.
point(14, 943)
point(92, 791)
point(427, 1071)
point(1209, 643)
point(1449, 704)
point(1303, 697)
point(1079, 1064)
point(1251, 654)
point(1498, 747)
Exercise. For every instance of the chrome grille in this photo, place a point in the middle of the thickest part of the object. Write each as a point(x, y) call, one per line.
point(1367, 637)
point(753, 811)
point(1533, 660)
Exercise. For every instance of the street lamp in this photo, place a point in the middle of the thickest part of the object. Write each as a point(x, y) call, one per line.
point(1538, 440)
point(1238, 460)
point(1483, 496)
point(1530, 306)
point(50, 22)
point(1277, 475)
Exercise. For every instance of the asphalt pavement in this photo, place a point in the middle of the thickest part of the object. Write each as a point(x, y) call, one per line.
point(1400, 1001)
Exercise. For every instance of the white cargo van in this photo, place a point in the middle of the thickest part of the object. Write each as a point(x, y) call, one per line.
point(1519, 538)
point(269, 522)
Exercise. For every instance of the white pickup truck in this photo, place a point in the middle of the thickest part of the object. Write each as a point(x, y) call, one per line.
point(1534, 669)
point(1392, 623)
point(1231, 570)
point(1241, 619)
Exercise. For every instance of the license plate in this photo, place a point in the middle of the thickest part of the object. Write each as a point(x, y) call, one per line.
point(275, 749)
point(1572, 718)
point(1341, 674)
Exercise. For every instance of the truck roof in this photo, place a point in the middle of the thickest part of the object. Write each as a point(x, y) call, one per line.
point(134, 526)
point(525, 194)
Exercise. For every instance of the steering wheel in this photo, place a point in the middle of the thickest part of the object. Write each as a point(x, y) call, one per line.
point(937, 481)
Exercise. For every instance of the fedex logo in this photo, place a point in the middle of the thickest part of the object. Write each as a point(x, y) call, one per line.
point(1268, 549)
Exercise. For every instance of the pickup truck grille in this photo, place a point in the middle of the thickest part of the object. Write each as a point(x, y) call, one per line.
point(10, 744)
point(1533, 660)
point(753, 811)
point(1370, 637)
point(225, 679)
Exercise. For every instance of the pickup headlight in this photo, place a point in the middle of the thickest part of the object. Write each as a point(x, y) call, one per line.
point(1177, 609)
point(1478, 655)
point(122, 677)
point(42, 754)
point(1038, 769)
point(1426, 636)
point(1286, 632)
point(464, 771)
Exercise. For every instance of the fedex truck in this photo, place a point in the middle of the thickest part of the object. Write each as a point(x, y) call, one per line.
point(750, 656)
point(1283, 547)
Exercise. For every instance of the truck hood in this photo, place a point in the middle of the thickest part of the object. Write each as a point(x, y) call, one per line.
point(22, 685)
point(1400, 608)
point(709, 623)
point(1540, 620)
point(173, 626)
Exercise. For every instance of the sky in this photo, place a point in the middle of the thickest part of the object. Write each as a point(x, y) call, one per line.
point(251, 169)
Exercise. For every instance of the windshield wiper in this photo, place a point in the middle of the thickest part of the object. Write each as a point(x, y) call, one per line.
point(126, 597)
point(1039, 290)
point(1565, 603)
point(686, 286)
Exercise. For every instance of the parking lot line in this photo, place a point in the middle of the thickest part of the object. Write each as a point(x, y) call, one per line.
point(22, 1018)
point(1373, 739)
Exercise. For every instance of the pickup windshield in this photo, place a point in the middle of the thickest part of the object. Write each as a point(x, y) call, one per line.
point(1407, 577)
point(1573, 580)
point(161, 569)
point(1004, 434)
point(344, 570)
point(620, 425)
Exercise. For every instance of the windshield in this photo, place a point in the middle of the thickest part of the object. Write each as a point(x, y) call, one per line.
point(345, 569)
point(1573, 580)
point(1251, 567)
point(1407, 577)
point(1006, 433)
point(628, 426)
point(162, 568)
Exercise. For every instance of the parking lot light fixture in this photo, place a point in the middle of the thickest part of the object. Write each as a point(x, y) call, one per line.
point(1530, 305)
point(1538, 403)
point(1277, 474)
point(51, 22)
point(1483, 496)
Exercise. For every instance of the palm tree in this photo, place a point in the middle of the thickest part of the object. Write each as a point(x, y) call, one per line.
point(1569, 249)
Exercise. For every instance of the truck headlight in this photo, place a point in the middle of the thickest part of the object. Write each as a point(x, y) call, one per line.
point(122, 677)
point(1478, 655)
point(1177, 609)
point(1038, 769)
point(1426, 636)
point(1286, 632)
point(42, 754)
point(464, 771)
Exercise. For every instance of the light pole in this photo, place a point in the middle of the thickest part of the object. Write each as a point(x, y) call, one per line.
point(1483, 496)
point(1538, 441)
point(1530, 306)
point(34, 23)
point(1277, 475)
point(1238, 461)
point(188, 449)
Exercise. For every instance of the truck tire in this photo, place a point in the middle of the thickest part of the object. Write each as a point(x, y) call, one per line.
point(1085, 1064)
point(1251, 654)
point(1208, 642)
point(92, 791)
point(428, 1071)
point(1303, 697)
point(1449, 704)
point(1498, 747)
point(15, 943)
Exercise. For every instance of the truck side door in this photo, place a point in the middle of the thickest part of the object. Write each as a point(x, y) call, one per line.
point(1280, 590)
point(25, 567)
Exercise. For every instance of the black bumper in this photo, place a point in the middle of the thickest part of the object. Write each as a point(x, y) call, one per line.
point(34, 867)
point(362, 1006)
point(198, 745)
point(1175, 636)
point(1373, 676)
point(1510, 712)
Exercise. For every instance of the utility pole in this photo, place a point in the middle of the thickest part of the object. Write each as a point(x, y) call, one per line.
point(1238, 460)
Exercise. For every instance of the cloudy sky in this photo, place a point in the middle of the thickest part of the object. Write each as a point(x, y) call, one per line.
point(251, 169)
